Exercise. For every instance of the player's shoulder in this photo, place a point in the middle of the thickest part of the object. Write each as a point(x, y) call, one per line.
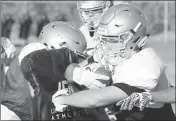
point(149, 54)
point(149, 58)
point(40, 54)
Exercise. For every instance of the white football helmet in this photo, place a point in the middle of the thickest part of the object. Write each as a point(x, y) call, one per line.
point(60, 34)
point(122, 31)
point(92, 11)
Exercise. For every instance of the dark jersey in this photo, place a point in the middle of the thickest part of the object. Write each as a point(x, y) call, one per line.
point(48, 68)
point(70, 113)
point(16, 94)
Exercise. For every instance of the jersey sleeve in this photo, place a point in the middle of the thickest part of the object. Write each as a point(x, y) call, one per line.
point(142, 70)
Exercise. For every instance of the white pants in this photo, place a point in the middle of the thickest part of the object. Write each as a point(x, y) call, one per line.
point(7, 114)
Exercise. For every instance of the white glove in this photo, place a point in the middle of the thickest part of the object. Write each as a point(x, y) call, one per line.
point(86, 76)
point(55, 98)
point(135, 99)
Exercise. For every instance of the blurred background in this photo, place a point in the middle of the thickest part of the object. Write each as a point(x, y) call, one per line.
point(22, 21)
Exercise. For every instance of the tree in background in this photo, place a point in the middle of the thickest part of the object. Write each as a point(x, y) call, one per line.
point(25, 26)
point(7, 26)
point(41, 23)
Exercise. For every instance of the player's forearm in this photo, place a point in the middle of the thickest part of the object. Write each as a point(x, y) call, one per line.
point(93, 98)
point(80, 99)
point(164, 96)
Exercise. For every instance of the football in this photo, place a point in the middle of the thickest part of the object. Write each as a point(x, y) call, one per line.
point(98, 69)
point(103, 71)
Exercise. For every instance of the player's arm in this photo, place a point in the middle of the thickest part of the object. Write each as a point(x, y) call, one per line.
point(97, 97)
point(164, 96)
point(86, 76)
point(143, 99)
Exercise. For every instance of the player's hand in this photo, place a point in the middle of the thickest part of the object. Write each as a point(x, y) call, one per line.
point(136, 99)
point(86, 76)
point(55, 100)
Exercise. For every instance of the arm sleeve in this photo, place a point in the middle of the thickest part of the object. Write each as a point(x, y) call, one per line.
point(127, 88)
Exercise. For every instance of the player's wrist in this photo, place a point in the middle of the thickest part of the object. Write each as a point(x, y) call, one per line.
point(148, 95)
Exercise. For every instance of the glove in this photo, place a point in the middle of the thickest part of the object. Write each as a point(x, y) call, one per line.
point(86, 76)
point(141, 99)
point(55, 98)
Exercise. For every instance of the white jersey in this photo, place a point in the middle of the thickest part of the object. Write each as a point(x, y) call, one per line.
point(142, 70)
point(7, 114)
point(91, 43)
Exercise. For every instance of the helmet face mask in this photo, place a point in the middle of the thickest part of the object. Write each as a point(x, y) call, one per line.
point(91, 12)
point(110, 54)
point(121, 32)
point(91, 19)
point(115, 46)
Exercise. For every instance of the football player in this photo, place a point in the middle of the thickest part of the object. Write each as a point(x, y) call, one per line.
point(16, 94)
point(7, 51)
point(90, 13)
point(49, 37)
point(122, 32)
point(6, 114)
point(44, 70)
